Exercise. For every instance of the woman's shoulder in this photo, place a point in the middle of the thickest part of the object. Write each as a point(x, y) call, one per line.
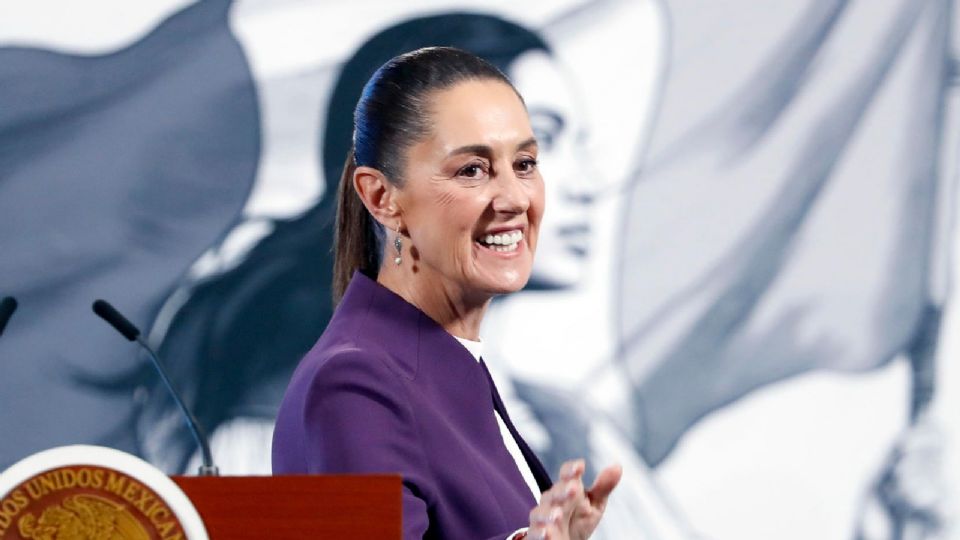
point(339, 374)
point(363, 343)
point(341, 366)
point(335, 385)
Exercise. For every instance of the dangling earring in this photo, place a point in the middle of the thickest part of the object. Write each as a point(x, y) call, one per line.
point(398, 246)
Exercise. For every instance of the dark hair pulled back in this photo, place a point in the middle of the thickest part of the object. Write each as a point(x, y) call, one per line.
point(393, 113)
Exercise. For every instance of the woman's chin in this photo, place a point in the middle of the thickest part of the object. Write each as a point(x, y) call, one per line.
point(503, 281)
point(502, 272)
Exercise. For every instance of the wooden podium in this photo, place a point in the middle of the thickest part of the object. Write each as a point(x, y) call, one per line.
point(296, 507)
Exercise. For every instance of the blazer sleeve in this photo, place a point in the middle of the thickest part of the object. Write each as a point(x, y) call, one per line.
point(356, 419)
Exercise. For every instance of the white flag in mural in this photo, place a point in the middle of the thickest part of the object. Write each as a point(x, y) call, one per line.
point(789, 217)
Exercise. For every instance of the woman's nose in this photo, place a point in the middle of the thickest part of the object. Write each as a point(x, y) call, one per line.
point(512, 196)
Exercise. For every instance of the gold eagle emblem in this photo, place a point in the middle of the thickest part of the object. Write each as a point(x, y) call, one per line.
point(83, 517)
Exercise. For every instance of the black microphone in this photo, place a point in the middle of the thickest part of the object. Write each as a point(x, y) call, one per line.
point(7, 306)
point(113, 317)
point(108, 313)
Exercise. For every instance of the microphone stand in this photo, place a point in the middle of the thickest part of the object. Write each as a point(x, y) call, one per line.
point(108, 313)
point(207, 468)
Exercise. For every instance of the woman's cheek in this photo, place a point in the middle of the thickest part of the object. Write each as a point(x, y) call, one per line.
point(445, 198)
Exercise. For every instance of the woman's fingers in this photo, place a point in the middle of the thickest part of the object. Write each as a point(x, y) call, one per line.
point(569, 490)
point(545, 523)
point(603, 486)
point(543, 516)
point(562, 499)
point(550, 532)
point(571, 469)
point(558, 503)
point(589, 506)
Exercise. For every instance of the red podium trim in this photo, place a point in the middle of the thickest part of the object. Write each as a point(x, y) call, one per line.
point(296, 507)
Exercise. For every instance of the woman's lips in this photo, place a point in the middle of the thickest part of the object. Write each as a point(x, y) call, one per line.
point(503, 241)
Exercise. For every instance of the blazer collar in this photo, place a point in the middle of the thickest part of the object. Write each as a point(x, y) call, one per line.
point(397, 326)
point(381, 318)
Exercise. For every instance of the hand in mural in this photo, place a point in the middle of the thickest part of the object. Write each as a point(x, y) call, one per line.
point(909, 500)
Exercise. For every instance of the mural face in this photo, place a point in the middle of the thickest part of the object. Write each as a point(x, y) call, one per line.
point(557, 123)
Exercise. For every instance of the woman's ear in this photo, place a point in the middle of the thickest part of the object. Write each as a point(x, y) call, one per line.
point(377, 194)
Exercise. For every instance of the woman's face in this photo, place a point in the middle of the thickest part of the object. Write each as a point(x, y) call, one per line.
point(473, 197)
point(565, 233)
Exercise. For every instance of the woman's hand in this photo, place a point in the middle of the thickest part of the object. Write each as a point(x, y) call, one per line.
point(567, 511)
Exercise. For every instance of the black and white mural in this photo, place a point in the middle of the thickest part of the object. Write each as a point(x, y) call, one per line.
point(742, 291)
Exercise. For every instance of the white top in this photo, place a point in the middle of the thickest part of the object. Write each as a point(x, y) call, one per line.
point(476, 349)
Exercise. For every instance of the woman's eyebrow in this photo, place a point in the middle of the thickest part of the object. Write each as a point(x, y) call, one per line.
point(532, 141)
point(486, 151)
point(478, 149)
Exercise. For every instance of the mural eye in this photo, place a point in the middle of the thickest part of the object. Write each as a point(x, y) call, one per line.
point(548, 125)
point(544, 138)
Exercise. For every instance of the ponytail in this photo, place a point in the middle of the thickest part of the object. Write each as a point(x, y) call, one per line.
point(355, 238)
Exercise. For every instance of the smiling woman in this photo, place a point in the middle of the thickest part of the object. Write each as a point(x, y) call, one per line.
point(439, 210)
point(475, 176)
point(460, 163)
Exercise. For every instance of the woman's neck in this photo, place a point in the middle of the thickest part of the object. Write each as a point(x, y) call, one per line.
point(459, 313)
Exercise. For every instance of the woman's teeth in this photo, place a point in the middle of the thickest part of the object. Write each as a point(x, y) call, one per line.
point(503, 242)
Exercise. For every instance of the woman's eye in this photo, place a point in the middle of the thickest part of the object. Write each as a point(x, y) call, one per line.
point(526, 165)
point(474, 170)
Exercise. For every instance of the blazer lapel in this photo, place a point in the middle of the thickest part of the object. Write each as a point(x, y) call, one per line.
point(539, 471)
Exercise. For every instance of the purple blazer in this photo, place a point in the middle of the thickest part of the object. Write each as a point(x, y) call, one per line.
point(387, 390)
